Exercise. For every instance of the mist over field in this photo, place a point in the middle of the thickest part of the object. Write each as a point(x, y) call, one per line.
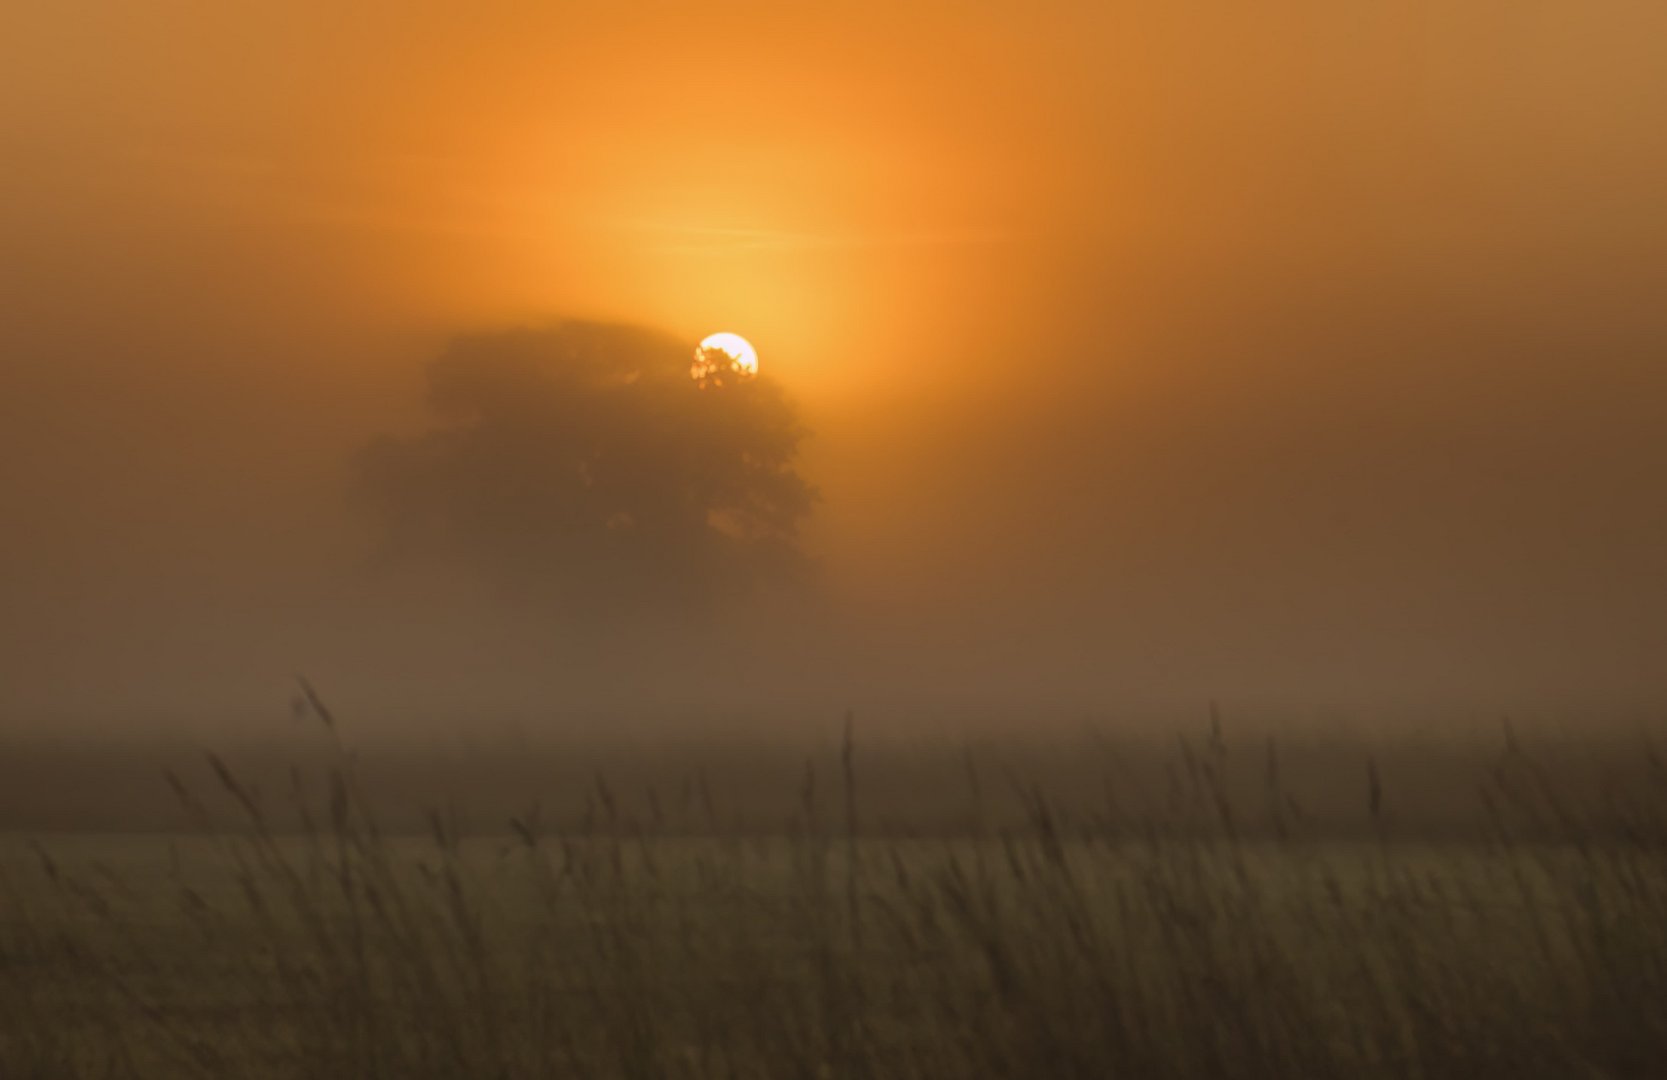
point(893, 540)
point(1144, 357)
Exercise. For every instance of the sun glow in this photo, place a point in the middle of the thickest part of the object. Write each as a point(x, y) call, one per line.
point(721, 358)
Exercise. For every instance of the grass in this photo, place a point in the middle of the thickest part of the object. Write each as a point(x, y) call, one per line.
point(292, 936)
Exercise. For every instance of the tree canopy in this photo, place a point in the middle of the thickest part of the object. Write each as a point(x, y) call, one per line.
point(583, 462)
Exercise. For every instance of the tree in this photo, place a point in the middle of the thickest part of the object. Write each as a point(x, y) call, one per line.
point(582, 462)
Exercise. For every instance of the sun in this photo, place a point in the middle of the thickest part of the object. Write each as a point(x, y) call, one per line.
point(721, 358)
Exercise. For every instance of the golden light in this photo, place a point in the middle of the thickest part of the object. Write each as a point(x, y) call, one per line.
point(721, 358)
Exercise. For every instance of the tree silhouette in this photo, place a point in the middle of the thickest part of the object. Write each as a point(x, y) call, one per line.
point(583, 462)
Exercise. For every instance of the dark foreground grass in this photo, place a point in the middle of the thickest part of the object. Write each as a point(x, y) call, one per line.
point(296, 939)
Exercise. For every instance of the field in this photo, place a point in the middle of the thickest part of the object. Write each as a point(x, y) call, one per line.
point(1220, 931)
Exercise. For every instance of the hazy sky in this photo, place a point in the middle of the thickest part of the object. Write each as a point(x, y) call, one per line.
point(1155, 351)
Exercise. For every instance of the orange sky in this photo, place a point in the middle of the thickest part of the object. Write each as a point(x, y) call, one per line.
point(1094, 307)
point(874, 173)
